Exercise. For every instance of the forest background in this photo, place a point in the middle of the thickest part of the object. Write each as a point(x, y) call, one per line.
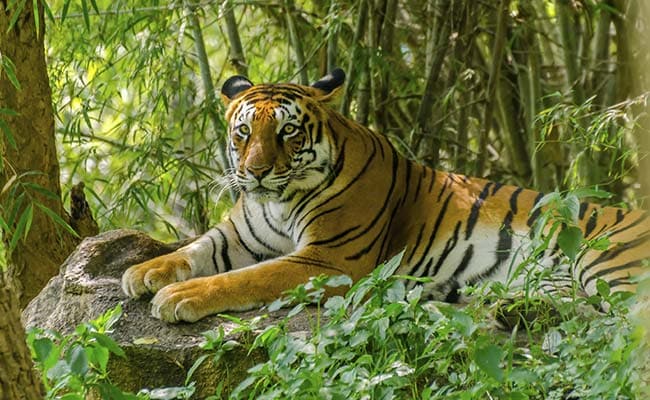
point(542, 94)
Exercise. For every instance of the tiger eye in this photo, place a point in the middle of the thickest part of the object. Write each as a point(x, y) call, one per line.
point(244, 130)
point(289, 129)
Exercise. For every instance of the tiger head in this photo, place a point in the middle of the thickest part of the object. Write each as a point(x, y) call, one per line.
point(279, 138)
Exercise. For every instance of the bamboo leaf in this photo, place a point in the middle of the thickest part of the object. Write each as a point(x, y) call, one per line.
point(84, 10)
point(37, 20)
point(7, 132)
point(47, 10)
point(29, 219)
point(94, 4)
point(57, 218)
point(21, 227)
point(10, 69)
point(16, 13)
point(64, 12)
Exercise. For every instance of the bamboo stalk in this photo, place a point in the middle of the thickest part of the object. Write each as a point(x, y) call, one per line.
point(333, 37)
point(362, 22)
point(237, 58)
point(568, 35)
point(296, 42)
point(208, 87)
point(386, 48)
point(427, 101)
point(498, 48)
point(363, 93)
point(601, 75)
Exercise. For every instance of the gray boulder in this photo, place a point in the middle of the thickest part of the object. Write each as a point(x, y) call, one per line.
point(157, 354)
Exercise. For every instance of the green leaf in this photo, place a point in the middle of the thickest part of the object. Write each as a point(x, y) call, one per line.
point(7, 132)
point(108, 342)
point(488, 358)
point(56, 218)
point(40, 189)
point(570, 208)
point(547, 199)
point(589, 192)
point(603, 288)
point(145, 340)
point(94, 4)
point(111, 316)
point(600, 244)
point(64, 12)
point(30, 217)
point(84, 10)
point(16, 13)
point(570, 240)
point(72, 396)
point(10, 69)
point(59, 370)
point(37, 20)
point(78, 360)
point(22, 228)
point(47, 10)
point(9, 112)
point(194, 367)
point(42, 348)
point(388, 269)
point(98, 356)
point(339, 280)
point(170, 393)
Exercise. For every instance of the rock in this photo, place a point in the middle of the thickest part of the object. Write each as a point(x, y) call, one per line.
point(157, 354)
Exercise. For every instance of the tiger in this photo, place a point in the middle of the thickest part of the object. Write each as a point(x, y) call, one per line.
point(320, 194)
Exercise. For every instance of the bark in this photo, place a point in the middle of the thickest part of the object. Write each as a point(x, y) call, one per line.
point(18, 378)
point(37, 258)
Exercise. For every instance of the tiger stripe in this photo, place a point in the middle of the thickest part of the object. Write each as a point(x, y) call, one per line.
point(321, 194)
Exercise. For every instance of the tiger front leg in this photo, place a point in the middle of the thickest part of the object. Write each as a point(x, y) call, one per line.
point(152, 275)
point(239, 290)
point(212, 253)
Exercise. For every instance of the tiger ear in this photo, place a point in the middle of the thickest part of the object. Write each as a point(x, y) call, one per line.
point(330, 85)
point(233, 86)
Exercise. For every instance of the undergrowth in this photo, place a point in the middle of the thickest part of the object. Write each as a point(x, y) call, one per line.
point(383, 340)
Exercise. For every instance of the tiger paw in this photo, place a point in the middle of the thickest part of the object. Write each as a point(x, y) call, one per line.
point(183, 301)
point(155, 274)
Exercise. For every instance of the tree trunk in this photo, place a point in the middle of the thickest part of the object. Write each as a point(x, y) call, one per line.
point(36, 258)
point(18, 380)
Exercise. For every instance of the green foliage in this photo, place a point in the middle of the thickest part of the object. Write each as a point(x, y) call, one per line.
point(18, 203)
point(136, 125)
point(73, 366)
point(559, 214)
point(384, 341)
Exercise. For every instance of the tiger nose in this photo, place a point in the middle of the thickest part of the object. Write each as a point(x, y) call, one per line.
point(259, 171)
